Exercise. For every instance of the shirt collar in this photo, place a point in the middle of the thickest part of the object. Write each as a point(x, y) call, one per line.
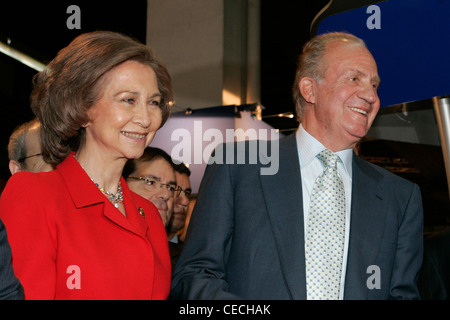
point(174, 239)
point(308, 147)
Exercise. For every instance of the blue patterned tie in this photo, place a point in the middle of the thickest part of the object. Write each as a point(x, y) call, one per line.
point(325, 232)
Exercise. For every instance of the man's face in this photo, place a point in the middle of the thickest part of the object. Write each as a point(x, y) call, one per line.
point(345, 101)
point(160, 177)
point(181, 203)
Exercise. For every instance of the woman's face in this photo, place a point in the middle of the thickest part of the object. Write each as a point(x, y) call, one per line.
point(127, 115)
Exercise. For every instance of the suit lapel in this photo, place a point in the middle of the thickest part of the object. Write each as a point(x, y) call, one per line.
point(85, 194)
point(133, 222)
point(368, 216)
point(283, 196)
point(135, 214)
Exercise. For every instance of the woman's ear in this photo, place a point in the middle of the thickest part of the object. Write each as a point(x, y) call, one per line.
point(306, 87)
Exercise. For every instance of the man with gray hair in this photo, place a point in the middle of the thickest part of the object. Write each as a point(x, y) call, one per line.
point(24, 149)
point(327, 225)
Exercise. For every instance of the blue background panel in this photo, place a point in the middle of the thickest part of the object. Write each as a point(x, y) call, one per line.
point(412, 47)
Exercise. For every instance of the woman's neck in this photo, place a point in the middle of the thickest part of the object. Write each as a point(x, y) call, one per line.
point(105, 171)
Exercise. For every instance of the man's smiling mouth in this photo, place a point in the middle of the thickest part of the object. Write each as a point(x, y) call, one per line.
point(359, 110)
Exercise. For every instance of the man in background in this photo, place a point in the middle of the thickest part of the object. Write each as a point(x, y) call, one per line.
point(24, 149)
point(178, 220)
point(24, 152)
point(152, 176)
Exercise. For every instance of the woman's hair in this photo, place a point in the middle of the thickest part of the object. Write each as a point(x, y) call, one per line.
point(311, 64)
point(68, 87)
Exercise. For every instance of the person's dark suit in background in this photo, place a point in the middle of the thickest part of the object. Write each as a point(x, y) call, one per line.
point(10, 286)
point(246, 237)
point(434, 280)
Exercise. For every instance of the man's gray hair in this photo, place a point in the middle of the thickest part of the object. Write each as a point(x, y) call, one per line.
point(17, 148)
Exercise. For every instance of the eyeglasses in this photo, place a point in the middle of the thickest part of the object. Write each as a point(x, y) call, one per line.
point(187, 193)
point(152, 185)
point(33, 155)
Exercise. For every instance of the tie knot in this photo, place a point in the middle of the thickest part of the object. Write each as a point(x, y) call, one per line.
point(328, 158)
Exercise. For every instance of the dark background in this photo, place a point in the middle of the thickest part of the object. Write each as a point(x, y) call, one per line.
point(38, 29)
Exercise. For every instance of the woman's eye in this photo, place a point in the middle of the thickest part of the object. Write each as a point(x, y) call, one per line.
point(128, 100)
point(155, 103)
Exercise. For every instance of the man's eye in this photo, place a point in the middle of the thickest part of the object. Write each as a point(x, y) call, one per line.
point(149, 182)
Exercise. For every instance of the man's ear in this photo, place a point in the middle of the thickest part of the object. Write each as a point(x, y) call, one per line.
point(306, 86)
point(14, 166)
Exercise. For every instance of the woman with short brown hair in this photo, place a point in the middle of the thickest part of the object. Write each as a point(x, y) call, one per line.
point(78, 232)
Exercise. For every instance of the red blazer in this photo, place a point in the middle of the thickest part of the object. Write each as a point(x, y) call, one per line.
point(69, 242)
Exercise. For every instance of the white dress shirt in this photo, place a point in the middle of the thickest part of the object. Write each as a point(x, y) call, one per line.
point(310, 168)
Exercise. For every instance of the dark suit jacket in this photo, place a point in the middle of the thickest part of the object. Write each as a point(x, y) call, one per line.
point(175, 250)
point(10, 286)
point(246, 234)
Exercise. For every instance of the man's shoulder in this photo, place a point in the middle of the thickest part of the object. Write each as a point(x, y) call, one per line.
point(253, 149)
point(388, 176)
